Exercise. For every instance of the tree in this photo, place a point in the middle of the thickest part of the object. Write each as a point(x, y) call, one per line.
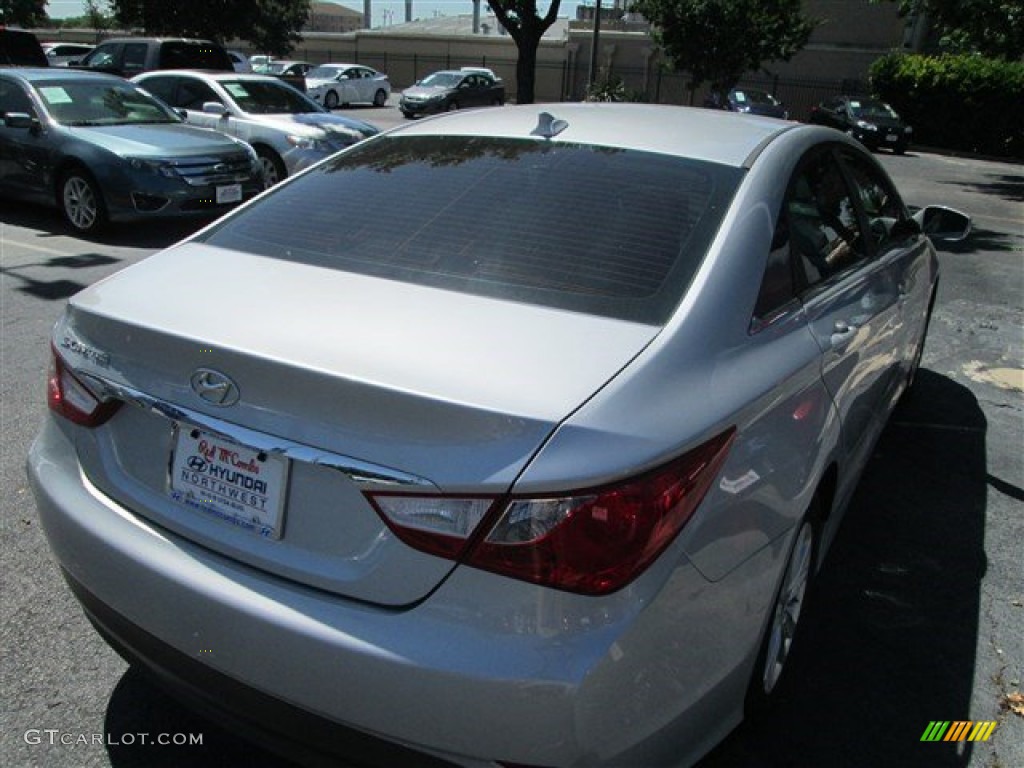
point(992, 28)
point(526, 27)
point(24, 13)
point(270, 25)
point(716, 41)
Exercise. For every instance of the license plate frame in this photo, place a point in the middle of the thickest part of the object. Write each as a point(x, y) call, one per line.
point(232, 482)
point(229, 193)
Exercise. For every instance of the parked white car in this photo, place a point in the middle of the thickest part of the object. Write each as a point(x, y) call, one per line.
point(334, 85)
point(239, 61)
point(288, 130)
point(62, 54)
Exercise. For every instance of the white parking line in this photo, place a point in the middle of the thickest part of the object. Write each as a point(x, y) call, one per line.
point(27, 246)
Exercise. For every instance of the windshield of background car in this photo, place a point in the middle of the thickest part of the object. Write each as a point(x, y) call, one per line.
point(756, 97)
point(268, 98)
point(443, 79)
point(605, 231)
point(92, 102)
point(322, 73)
point(866, 108)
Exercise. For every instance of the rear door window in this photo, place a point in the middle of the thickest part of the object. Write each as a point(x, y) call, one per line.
point(594, 229)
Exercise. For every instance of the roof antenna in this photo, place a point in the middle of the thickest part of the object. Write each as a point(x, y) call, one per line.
point(548, 126)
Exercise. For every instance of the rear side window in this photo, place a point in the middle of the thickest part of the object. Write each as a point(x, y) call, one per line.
point(21, 49)
point(606, 231)
point(179, 54)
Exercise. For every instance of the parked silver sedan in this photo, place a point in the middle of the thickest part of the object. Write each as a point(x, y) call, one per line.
point(288, 130)
point(537, 474)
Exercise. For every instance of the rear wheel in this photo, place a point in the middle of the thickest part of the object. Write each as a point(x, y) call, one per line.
point(81, 201)
point(380, 98)
point(453, 106)
point(331, 100)
point(273, 167)
point(785, 615)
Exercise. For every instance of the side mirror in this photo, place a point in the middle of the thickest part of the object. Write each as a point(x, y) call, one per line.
point(943, 224)
point(215, 108)
point(19, 120)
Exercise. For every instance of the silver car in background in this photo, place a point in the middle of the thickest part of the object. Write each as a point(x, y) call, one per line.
point(288, 130)
point(537, 475)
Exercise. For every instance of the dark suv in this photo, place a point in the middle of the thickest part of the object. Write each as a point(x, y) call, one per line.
point(20, 49)
point(130, 56)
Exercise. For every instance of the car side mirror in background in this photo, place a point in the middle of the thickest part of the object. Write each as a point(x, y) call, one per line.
point(19, 120)
point(943, 224)
point(215, 108)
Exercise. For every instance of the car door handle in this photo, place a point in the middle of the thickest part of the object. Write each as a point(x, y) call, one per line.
point(842, 334)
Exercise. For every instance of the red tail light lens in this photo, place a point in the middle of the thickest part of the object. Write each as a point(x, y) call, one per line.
point(69, 397)
point(592, 542)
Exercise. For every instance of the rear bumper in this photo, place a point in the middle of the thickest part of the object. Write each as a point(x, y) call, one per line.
point(485, 669)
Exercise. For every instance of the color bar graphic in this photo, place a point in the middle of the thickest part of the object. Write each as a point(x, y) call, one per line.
point(958, 730)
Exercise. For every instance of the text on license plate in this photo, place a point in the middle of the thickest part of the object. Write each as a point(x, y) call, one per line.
point(233, 482)
point(892, 137)
point(231, 193)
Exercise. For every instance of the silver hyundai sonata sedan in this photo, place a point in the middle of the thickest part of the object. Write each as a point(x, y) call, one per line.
point(537, 474)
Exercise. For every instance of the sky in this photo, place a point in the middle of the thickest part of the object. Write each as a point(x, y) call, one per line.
point(384, 11)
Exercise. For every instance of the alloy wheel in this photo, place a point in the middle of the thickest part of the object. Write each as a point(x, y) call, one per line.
point(788, 606)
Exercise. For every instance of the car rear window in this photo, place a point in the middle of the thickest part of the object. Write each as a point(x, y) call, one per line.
point(607, 231)
point(194, 55)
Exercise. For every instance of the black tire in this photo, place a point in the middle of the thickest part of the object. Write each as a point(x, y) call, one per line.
point(331, 100)
point(273, 167)
point(899, 149)
point(380, 98)
point(81, 201)
point(407, 115)
point(787, 607)
point(453, 106)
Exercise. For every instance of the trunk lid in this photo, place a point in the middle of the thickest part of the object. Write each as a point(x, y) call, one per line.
point(352, 380)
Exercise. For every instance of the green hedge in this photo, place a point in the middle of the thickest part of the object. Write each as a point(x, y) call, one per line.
point(963, 102)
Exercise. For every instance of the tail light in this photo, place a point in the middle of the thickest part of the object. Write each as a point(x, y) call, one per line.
point(69, 397)
point(592, 542)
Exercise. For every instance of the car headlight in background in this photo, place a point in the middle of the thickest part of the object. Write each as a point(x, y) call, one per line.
point(319, 143)
point(866, 126)
point(908, 129)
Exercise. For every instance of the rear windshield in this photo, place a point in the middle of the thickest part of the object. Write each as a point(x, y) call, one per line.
point(612, 232)
point(194, 55)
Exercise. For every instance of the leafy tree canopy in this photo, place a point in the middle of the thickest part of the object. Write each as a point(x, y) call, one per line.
point(993, 28)
point(270, 25)
point(23, 13)
point(526, 26)
point(716, 41)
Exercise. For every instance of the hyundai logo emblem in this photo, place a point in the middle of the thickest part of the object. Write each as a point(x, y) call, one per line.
point(214, 387)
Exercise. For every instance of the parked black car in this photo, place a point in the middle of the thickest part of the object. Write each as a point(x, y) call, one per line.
point(872, 122)
point(130, 56)
point(452, 89)
point(19, 48)
point(755, 102)
point(100, 148)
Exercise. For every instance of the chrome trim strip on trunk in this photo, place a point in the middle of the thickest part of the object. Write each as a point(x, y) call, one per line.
point(366, 475)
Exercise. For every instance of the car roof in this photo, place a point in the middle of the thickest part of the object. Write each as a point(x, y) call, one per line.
point(713, 135)
point(210, 74)
point(42, 75)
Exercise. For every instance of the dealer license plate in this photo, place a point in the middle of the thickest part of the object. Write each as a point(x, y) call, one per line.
point(231, 193)
point(238, 484)
point(892, 137)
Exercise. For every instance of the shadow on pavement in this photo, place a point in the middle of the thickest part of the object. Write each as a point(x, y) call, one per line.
point(156, 233)
point(889, 639)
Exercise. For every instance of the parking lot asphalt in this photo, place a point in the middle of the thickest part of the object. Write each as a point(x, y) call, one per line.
point(918, 615)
